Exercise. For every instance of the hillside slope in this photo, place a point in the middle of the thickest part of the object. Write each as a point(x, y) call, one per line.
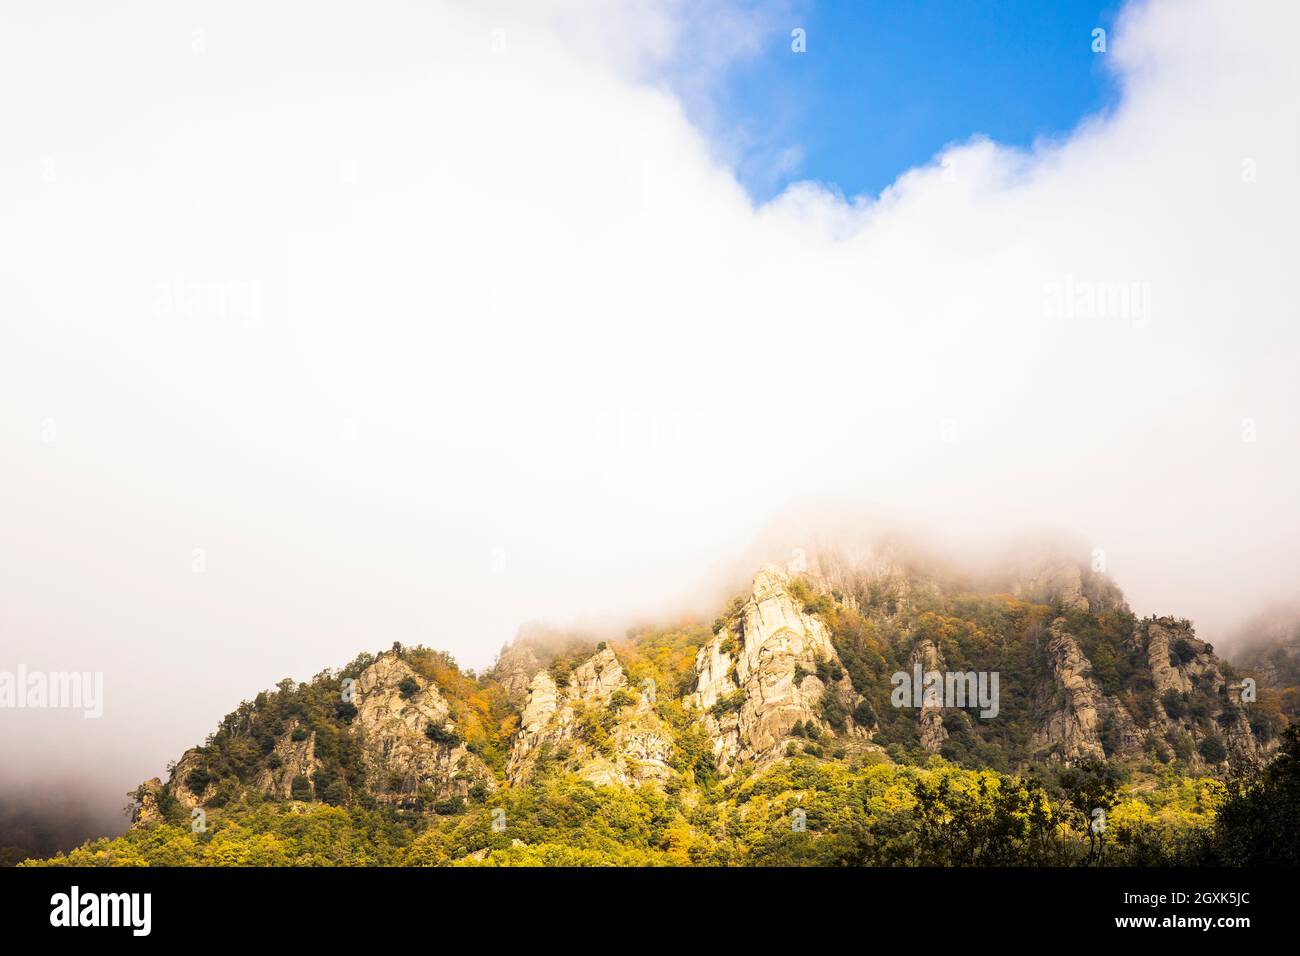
point(718, 739)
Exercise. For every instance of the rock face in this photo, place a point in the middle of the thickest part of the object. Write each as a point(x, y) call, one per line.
point(1082, 721)
point(515, 668)
point(757, 677)
point(878, 572)
point(1072, 730)
point(1045, 577)
point(1184, 669)
point(395, 706)
point(594, 725)
point(400, 757)
point(929, 716)
point(147, 811)
point(190, 761)
point(295, 758)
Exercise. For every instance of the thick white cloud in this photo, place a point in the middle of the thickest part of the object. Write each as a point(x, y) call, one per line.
point(421, 323)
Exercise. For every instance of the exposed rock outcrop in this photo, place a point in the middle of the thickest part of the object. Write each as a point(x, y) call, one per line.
point(880, 574)
point(1072, 730)
point(757, 677)
point(393, 722)
point(929, 715)
point(147, 811)
point(182, 775)
point(594, 725)
point(1188, 701)
point(1046, 576)
point(1185, 671)
point(515, 668)
point(291, 758)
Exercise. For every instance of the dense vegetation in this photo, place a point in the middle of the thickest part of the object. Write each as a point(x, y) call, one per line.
point(869, 812)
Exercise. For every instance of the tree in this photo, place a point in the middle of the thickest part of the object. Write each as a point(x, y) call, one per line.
point(300, 789)
point(1256, 825)
point(442, 735)
point(1212, 750)
point(1089, 786)
point(834, 711)
point(197, 781)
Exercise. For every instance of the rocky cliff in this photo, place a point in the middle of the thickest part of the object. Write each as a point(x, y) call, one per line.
point(593, 725)
point(801, 661)
point(1185, 700)
point(759, 675)
point(515, 668)
point(408, 739)
point(405, 746)
point(1072, 699)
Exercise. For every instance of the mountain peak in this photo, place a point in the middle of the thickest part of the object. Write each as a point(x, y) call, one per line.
point(802, 664)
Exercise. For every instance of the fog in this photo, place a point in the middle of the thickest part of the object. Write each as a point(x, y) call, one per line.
point(332, 325)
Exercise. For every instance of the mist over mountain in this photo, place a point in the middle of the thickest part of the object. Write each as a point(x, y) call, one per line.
point(54, 817)
point(454, 326)
point(871, 665)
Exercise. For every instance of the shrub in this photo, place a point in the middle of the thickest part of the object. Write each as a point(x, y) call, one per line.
point(227, 790)
point(345, 711)
point(334, 793)
point(829, 672)
point(864, 715)
point(300, 789)
point(448, 808)
point(1212, 750)
point(822, 604)
point(728, 704)
point(442, 735)
point(1174, 703)
point(594, 728)
point(834, 711)
point(560, 670)
point(409, 687)
point(620, 699)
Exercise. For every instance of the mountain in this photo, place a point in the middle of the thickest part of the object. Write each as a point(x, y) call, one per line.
point(823, 700)
point(1267, 649)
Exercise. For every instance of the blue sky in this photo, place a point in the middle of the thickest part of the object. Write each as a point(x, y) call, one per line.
point(885, 84)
